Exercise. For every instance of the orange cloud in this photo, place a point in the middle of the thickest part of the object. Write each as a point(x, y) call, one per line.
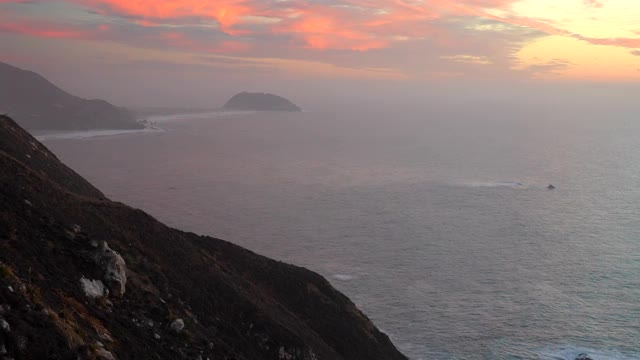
point(632, 43)
point(226, 12)
point(322, 28)
point(357, 25)
point(348, 25)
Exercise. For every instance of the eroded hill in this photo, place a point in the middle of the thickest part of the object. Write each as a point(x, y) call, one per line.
point(85, 277)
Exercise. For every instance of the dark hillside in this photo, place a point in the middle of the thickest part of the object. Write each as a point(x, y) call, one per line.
point(37, 104)
point(84, 277)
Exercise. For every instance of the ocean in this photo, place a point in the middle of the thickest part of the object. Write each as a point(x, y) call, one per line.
point(437, 222)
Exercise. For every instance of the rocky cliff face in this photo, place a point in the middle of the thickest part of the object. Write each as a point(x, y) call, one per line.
point(260, 102)
point(37, 104)
point(84, 277)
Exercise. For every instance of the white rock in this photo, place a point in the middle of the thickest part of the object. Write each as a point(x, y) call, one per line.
point(93, 288)
point(115, 270)
point(105, 337)
point(177, 325)
point(4, 325)
point(103, 354)
point(156, 336)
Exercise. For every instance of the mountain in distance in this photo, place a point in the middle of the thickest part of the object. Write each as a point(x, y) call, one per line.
point(37, 104)
point(83, 277)
point(247, 101)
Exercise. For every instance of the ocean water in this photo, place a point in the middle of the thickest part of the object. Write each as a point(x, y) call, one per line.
point(437, 223)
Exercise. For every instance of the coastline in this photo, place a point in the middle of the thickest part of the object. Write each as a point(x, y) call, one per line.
point(44, 135)
point(150, 122)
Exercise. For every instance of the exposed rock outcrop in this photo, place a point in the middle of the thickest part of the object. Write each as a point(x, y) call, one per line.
point(177, 325)
point(93, 289)
point(114, 268)
point(236, 304)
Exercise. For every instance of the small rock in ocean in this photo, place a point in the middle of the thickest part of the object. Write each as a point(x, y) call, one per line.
point(583, 356)
point(551, 187)
point(177, 325)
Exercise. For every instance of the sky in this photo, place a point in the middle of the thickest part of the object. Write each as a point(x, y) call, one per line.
point(153, 51)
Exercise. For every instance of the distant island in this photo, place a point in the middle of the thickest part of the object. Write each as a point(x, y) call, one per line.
point(37, 104)
point(260, 102)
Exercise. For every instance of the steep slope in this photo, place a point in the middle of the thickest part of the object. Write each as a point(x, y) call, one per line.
point(182, 296)
point(260, 102)
point(37, 104)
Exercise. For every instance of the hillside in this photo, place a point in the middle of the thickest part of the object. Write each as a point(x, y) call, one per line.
point(84, 277)
point(260, 102)
point(37, 104)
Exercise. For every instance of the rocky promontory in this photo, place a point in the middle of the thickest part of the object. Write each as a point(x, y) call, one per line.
point(37, 104)
point(84, 277)
point(247, 101)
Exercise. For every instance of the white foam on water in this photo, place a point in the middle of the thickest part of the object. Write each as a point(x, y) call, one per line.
point(343, 277)
point(193, 116)
point(86, 134)
point(496, 184)
point(571, 352)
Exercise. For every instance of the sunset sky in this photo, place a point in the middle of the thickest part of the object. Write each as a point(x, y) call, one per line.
point(391, 40)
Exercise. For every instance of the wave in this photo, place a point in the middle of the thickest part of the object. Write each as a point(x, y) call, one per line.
point(85, 134)
point(497, 184)
point(571, 352)
point(343, 277)
point(193, 116)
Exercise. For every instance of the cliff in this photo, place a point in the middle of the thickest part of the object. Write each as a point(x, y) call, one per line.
point(260, 102)
point(37, 104)
point(85, 277)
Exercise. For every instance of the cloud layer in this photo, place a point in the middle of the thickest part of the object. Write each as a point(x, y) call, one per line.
point(410, 37)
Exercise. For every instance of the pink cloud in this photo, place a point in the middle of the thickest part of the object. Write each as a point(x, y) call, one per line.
point(357, 25)
point(43, 30)
point(593, 3)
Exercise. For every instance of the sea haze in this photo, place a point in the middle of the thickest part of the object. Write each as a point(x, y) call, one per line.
point(437, 223)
